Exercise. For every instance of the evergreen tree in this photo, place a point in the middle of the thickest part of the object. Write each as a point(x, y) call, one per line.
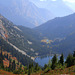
point(69, 60)
point(45, 66)
point(74, 54)
point(1, 58)
point(54, 62)
point(74, 58)
point(13, 65)
point(61, 60)
point(29, 72)
point(1, 63)
point(36, 67)
point(25, 69)
point(7, 56)
point(10, 65)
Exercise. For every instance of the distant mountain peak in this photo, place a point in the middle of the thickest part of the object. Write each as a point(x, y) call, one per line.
point(24, 12)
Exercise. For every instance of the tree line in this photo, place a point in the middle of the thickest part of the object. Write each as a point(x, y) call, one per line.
point(61, 63)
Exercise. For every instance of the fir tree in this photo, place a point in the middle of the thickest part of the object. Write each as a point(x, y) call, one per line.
point(54, 62)
point(13, 65)
point(74, 54)
point(61, 60)
point(69, 60)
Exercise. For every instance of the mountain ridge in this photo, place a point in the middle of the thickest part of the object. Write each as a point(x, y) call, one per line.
point(24, 13)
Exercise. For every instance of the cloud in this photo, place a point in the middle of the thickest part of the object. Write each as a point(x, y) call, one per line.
point(43, 0)
point(47, 0)
point(53, 0)
point(70, 1)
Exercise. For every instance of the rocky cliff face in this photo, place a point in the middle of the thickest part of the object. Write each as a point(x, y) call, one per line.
point(3, 31)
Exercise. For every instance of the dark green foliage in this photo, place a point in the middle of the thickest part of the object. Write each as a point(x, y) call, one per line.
point(69, 60)
point(29, 72)
point(61, 60)
point(54, 62)
point(74, 54)
point(1, 59)
point(45, 66)
point(10, 65)
point(36, 67)
point(1, 63)
point(25, 69)
point(13, 65)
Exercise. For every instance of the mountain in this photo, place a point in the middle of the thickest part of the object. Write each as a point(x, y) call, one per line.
point(59, 27)
point(61, 31)
point(25, 60)
point(24, 12)
point(65, 46)
point(57, 7)
point(23, 39)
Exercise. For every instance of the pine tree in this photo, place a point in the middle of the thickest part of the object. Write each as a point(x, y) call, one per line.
point(1, 63)
point(29, 72)
point(13, 65)
point(45, 66)
point(61, 60)
point(74, 58)
point(36, 67)
point(25, 69)
point(10, 65)
point(54, 62)
point(1, 58)
point(69, 60)
point(74, 54)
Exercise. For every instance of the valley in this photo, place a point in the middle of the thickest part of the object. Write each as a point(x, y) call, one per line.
point(37, 37)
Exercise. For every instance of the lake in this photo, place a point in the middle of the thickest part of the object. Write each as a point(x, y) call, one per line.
point(44, 60)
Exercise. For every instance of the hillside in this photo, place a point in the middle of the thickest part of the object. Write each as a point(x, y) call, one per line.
point(59, 27)
point(65, 46)
point(25, 60)
point(6, 73)
point(70, 70)
point(24, 12)
point(23, 39)
point(61, 31)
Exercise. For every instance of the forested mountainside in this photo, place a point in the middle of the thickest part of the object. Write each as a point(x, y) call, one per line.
point(65, 46)
point(59, 27)
point(22, 38)
point(24, 12)
point(61, 31)
point(25, 60)
point(34, 43)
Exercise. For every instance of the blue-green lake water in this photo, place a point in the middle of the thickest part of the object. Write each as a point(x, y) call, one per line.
point(44, 60)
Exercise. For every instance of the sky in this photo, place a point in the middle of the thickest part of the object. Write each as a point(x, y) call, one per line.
point(70, 3)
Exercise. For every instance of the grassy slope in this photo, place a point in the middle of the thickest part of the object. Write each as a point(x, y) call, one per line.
point(68, 71)
point(2, 72)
